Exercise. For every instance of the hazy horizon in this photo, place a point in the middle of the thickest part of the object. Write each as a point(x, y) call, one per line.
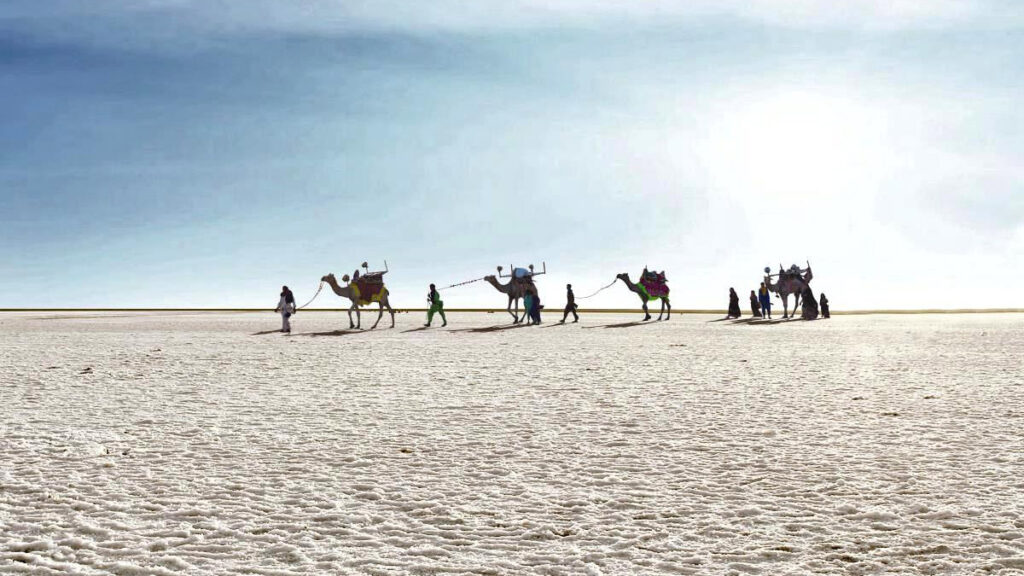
point(189, 154)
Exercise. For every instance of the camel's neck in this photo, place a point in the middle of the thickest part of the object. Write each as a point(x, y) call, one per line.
point(629, 284)
point(345, 292)
point(498, 285)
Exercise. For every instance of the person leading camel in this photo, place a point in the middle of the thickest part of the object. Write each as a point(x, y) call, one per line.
point(436, 306)
point(286, 306)
point(824, 307)
point(755, 306)
point(765, 298)
point(734, 305)
point(570, 305)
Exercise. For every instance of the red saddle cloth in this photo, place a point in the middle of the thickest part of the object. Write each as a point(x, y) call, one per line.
point(655, 283)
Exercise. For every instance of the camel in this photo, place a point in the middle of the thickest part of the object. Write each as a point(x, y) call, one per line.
point(644, 297)
point(789, 284)
point(347, 292)
point(515, 289)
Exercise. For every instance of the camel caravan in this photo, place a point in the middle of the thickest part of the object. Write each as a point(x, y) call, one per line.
point(366, 288)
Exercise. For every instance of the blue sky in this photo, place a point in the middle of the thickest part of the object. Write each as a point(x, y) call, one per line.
point(185, 153)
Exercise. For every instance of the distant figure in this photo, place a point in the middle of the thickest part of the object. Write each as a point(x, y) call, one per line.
point(765, 298)
point(755, 306)
point(286, 306)
point(535, 310)
point(734, 305)
point(436, 306)
point(824, 307)
point(528, 307)
point(570, 305)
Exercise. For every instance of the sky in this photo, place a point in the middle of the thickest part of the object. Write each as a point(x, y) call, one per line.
point(192, 153)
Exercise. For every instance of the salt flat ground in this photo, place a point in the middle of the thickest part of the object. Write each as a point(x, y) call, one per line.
point(195, 444)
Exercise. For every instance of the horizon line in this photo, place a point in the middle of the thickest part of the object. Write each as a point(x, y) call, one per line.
point(550, 311)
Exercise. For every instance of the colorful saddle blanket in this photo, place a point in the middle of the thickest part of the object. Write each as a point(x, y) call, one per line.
point(655, 284)
point(369, 288)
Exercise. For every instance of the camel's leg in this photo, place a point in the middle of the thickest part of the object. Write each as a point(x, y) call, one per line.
point(350, 324)
point(390, 311)
point(668, 305)
point(785, 306)
point(359, 319)
point(515, 315)
point(380, 314)
point(647, 315)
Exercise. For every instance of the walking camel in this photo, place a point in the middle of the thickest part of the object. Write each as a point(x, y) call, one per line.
point(646, 297)
point(790, 282)
point(361, 297)
point(516, 289)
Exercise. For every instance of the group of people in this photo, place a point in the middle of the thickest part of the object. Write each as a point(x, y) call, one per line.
point(761, 304)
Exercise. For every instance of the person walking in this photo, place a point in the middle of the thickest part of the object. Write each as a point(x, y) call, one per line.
point(286, 306)
point(755, 306)
point(824, 307)
point(765, 298)
point(436, 306)
point(734, 305)
point(570, 305)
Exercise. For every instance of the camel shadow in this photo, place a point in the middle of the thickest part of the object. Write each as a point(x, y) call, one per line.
point(627, 324)
point(420, 329)
point(486, 329)
point(773, 321)
point(745, 320)
point(335, 333)
point(265, 332)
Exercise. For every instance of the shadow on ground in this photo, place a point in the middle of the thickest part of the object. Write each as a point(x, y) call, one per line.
point(487, 329)
point(628, 324)
point(334, 333)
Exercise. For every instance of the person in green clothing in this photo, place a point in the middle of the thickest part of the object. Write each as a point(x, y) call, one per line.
point(436, 305)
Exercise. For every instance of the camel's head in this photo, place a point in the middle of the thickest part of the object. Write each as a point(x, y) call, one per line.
point(328, 278)
point(490, 278)
point(622, 276)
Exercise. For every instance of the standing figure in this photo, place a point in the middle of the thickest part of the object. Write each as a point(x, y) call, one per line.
point(286, 306)
point(824, 307)
point(755, 306)
point(734, 305)
point(528, 303)
point(765, 298)
point(535, 311)
point(436, 306)
point(570, 305)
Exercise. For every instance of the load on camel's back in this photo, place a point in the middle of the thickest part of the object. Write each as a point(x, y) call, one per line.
point(369, 288)
point(652, 286)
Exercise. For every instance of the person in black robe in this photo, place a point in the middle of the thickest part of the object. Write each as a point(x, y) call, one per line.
point(734, 305)
point(824, 307)
point(809, 304)
point(755, 305)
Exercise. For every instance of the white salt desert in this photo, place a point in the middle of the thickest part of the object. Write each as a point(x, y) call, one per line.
point(197, 444)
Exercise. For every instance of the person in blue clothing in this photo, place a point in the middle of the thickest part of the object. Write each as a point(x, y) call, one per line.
point(528, 307)
point(765, 298)
point(535, 310)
